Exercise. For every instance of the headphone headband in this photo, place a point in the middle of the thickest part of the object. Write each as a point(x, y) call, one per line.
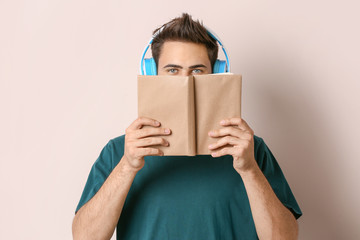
point(212, 34)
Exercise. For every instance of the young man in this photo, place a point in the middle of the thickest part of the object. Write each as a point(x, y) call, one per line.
point(239, 192)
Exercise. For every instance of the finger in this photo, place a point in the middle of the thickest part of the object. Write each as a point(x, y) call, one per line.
point(241, 123)
point(143, 121)
point(142, 152)
point(228, 140)
point(226, 131)
point(223, 152)
point(151, 141)
point(246, 135)
point(142, 133)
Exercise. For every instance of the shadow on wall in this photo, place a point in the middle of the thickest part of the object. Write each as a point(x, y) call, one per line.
point(302, 141)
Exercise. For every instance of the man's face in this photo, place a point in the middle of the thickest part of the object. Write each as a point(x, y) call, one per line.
point(183, 59)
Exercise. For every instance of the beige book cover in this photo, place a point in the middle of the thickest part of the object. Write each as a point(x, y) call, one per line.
point(190, 106)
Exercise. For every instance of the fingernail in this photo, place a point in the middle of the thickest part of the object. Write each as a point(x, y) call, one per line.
point(211, 133)
point(167, 130)
point(214, 154)
point(211, 145)
point(222, 122)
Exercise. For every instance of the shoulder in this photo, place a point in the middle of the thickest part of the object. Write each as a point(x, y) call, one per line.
point(117, 142)
point(262, 152)
point(258, 143)
point(114, 150)
point(115, 145)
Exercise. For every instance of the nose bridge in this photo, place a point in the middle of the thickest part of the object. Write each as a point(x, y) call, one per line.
point(185, 72)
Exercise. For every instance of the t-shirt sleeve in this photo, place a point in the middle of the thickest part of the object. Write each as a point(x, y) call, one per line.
point(101, 169)
point(275, 177)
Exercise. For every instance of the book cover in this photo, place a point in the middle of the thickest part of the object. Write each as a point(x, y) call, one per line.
point(190, 106)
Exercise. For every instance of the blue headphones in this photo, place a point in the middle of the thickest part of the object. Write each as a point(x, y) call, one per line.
point(148, 65)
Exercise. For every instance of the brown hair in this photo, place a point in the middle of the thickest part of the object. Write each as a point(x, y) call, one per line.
point(184, 29)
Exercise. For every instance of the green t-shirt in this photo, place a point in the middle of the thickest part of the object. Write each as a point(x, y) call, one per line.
point(182, 197)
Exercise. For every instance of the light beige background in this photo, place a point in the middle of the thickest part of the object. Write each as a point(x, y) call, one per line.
point(68, 85)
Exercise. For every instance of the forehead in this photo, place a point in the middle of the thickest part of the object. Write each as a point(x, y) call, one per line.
point(183, 52)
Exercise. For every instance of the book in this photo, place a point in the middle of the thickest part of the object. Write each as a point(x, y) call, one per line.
point(190, 106)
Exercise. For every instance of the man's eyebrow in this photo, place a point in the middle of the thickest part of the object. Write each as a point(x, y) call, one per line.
point(198, 66)
point(191, 67)
point(173, 66)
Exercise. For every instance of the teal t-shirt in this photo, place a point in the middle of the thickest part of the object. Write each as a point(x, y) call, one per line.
point(182, 197)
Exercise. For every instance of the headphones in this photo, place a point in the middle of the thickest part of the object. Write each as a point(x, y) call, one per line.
point(148, 65)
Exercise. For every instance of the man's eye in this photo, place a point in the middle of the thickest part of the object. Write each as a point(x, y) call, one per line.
point(172, 70)
point(197, 71)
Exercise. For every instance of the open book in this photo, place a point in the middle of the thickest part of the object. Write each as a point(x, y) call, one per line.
point(190, 106)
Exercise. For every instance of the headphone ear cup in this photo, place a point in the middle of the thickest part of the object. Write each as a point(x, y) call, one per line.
point(150, 66)
point(219, 66)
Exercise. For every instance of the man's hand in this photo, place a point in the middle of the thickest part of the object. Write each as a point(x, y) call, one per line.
point(140, 142)
point(236, 139)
